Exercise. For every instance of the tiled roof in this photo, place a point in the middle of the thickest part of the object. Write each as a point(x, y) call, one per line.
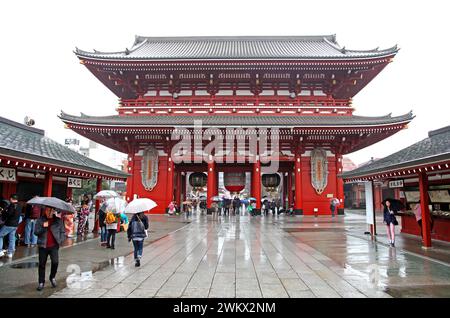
point(242, 47)
point(435, 148)
point(20, 141)
point(228, 120)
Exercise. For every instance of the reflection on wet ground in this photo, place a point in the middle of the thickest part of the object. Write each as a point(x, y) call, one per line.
point(18, 277)
point(400, 271)
point(241, 256)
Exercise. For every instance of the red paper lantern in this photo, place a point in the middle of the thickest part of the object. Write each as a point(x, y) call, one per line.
point(234, 181)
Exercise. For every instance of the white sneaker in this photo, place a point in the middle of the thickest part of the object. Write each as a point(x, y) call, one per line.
point(10, 255)
point(2, 253)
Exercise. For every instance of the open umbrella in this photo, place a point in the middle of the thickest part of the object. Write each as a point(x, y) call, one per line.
point(252, 199)
point(116, 205)
point(106, 194)
point(54, 203)
point(140, 205)
point(396, 205)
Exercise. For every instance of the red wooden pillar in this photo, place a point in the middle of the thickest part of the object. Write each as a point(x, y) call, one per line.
point(211, 185)
point(289, 189)
point(284, 190)
point(97, 205)
point(298, 207)
point(339, 184)
point(130, 179)
point(170, 173)
point(48, 184)
point(216, 189)
point(378, 198)
point(424, 201)
point(256, 184)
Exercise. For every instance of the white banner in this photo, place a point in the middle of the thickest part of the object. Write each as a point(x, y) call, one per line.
point(73, 182)
point(369, 202)
point(7, 174)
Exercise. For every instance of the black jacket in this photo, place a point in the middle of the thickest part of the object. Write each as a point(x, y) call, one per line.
point(135, 229)
point(11, 215)
point(101, 218)
point(57, 229)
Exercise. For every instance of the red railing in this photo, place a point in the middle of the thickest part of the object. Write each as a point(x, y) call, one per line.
point(187, 101)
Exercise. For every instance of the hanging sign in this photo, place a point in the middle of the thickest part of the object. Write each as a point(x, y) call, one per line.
point(149, 168)
point(319, 170)
point(7, 174)
point(73, 183)
point(396, 184)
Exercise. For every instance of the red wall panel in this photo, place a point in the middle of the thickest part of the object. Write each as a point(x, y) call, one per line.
point(158, 193)
point(311, 199)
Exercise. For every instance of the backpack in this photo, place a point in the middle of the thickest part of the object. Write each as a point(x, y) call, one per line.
point(110, 218)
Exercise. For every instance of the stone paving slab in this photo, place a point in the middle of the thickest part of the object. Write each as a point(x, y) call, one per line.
point(248, 257)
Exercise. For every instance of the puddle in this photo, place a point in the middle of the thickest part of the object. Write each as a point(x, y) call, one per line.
point(25, 265)
point(423, 291)
point(116, 262)
point(314, 230)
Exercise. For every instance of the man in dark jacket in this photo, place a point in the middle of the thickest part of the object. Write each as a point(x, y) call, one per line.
point(236, 205)
point(49, 242)
point(11, 216)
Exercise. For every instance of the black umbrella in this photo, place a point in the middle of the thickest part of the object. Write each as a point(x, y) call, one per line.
point(396, 205)
point(54, 203)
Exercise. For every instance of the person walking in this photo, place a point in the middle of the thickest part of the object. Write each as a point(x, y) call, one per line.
point(111, 221)
point(137, 232)
point(102, 224)
point(214, 209)
point(265, 207)
point(171, 208)
point(220, 207)
point(32, 213)
point(82, 220)
point(11, 217)
point(236, 205)
point(334, 203)
point(390, 221)
point(418, 213)
point(51, 234)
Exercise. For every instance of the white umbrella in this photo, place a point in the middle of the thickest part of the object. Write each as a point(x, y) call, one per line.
point(105, 194)
point(116, 205)
point(140, 205)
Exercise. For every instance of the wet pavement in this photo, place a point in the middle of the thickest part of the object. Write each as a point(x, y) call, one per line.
point(18, 277)
point(244, 256)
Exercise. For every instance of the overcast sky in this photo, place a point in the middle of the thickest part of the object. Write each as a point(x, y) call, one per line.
point(40, 75)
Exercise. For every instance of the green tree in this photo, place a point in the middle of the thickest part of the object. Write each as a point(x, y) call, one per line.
point(88, 186)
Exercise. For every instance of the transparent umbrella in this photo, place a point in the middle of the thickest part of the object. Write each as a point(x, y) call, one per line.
point(140, 205)
point(106, 194)
point(115, 205)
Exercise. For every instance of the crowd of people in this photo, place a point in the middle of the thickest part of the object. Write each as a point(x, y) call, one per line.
point(48, 228)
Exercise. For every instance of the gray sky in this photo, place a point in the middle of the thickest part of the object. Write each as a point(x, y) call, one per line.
point(40, 75)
